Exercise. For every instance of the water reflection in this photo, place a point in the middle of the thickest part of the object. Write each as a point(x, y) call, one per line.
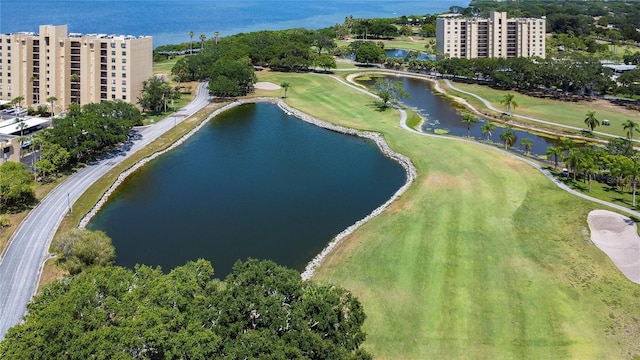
point(442, 117)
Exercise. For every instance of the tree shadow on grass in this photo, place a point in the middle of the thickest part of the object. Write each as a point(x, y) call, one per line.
point(378, 105)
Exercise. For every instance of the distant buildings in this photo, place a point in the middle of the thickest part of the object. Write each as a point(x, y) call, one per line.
point(74, 68)
point(497, 36)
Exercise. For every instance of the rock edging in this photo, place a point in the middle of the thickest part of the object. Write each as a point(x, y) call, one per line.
point(404, 161)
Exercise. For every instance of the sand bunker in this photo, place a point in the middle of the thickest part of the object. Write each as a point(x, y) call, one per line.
point(266, 86)
point(617, 236)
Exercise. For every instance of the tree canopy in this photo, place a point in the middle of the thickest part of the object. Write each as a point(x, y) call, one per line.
point(260, 311)
point(88, 131)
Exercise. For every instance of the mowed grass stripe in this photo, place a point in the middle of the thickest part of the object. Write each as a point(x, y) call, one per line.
point(482, 258)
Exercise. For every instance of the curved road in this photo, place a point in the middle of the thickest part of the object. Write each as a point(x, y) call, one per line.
point(21, 264)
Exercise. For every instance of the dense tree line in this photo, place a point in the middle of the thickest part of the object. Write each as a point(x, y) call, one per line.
point(572, 17)
point(229, 64)
point(574, 73)
point(618, 164)
point(260, 311)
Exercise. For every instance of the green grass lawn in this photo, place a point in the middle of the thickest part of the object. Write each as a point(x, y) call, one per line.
point(482, 258)
point(566, 113)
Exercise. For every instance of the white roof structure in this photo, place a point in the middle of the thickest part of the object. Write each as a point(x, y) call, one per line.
point(9, 127)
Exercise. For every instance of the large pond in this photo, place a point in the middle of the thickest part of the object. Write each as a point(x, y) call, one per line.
point(255, 182)
point(441, 117)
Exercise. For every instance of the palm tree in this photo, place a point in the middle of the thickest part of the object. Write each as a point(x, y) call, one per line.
point(508, 137)
point(631, 170)
point(51, 100)
point(18, 101)
point(191, 33)
point(469, 119)
point(554, 151)
point(526, 144)
point(285, 85)
point(509, 103)
point(487, 129)
point(589, 165)
point(203, 37)
point(591, 120)
point(630, 126)
point(572, 160)
point(217, 35)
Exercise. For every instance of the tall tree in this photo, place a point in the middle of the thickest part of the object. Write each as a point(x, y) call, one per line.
point(591, 120)
point(191, 33)
point(508, 137)
point(630, 126)
point(51, 100)
point(509, 102)
point(469, 119)
point(526, 144)
point(555, 152)
point(487, 130)
point(203, 37)
point(389, 91)
point(285, 85)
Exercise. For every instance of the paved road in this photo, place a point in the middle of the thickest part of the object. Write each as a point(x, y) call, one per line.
point(22, 261)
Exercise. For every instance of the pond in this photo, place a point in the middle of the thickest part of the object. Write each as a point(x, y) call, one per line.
point(254, 182)
point(443, 118)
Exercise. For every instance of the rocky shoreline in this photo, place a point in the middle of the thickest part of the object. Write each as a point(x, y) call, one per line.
point(309, 270)
point(404, 161)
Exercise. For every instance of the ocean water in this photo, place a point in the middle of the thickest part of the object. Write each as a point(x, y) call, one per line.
point(170, 21)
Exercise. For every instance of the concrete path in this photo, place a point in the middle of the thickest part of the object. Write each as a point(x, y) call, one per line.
point(21, 264)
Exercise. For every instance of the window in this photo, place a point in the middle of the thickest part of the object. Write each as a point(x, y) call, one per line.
point(124, 82)
point(113, 45)
point(113, 74)
point(124, 68)
point(124, 53)
point(113, 96)
point(113, 88)
point(124, 97)
point(113, 82)
point(113, 60)
point(124, 89)
point(113, 67)
point(124, 61)
point(124, 75)
point(123, 45)
point(113, 53)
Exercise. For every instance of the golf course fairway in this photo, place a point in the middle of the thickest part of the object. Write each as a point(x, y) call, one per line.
point(482, 258)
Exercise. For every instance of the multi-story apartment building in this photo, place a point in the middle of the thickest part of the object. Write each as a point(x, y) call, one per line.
point(497, 36)
point(73, 68)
